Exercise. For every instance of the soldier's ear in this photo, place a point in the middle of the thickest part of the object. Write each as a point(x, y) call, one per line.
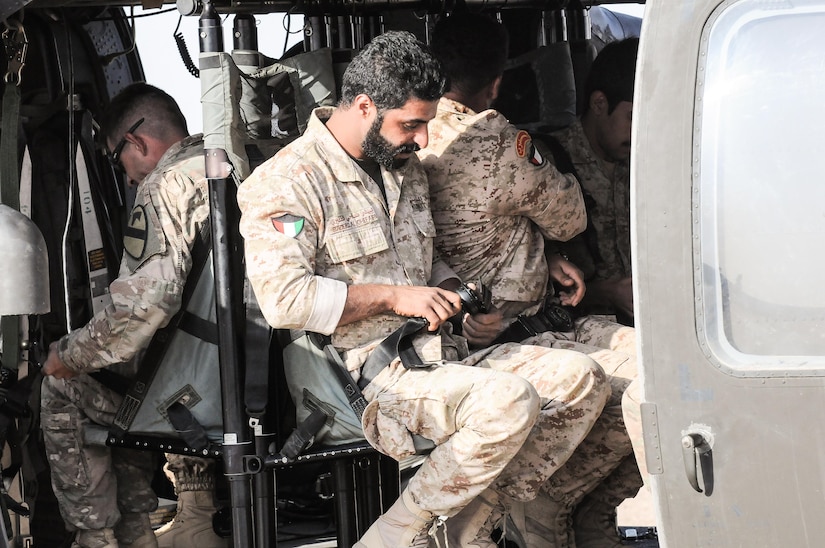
point(363, 103)
point(141, 145)
point(598, 103)
point(494, 87)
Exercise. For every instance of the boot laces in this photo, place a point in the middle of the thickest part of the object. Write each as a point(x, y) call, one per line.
point(497, 518)
point(423, 538)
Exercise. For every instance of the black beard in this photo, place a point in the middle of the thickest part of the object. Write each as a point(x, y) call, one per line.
point(378, 148)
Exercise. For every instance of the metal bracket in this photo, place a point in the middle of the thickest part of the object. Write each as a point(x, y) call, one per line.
point(16, 46)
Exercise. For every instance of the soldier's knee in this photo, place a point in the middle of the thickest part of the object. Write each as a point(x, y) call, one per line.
point(591, 391)
point(53, 398)
point(523, 406)
point(632, 395)
point(49, 389)
point(593, 381)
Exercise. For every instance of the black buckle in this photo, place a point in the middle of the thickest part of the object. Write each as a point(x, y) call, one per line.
point(557, 317)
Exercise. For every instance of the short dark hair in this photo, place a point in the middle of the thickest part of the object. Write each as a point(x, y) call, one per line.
point(472, 48)
point(162, 115)
point(613, 73)
point(392, 69)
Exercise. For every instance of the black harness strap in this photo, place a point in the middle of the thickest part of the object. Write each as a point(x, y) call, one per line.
point(198, 327)
point(187, 426)
point(302, 436)
point(398, 343)
point(256, 390)
point(10, 196)
point(158, 346)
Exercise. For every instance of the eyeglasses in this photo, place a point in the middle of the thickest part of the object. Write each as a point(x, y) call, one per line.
point(114, 156)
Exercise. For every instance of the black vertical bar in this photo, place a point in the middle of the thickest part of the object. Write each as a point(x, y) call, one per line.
point(245, 32)
point(367, 491)
point(316, 35)
point(226, 255)
point(344, 501)
point(390, 481)
point(263, 485)
point(245, 39)
point(578, 23)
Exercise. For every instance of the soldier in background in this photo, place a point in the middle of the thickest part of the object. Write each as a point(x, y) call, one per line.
point(495, 198)
point(598, 146)
point(105, 493)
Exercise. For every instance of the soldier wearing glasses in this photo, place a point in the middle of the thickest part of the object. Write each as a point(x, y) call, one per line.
point(105, 493)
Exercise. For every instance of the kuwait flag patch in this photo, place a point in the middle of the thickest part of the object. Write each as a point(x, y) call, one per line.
point(288, 225)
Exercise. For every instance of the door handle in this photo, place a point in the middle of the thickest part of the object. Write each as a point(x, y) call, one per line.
point(698, 456)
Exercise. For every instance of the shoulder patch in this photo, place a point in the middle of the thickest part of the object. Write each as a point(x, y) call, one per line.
point(143, 238)
point(522, 141)
point(134, 239)
point(288, 225)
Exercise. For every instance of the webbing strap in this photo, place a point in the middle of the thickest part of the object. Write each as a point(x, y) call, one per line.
point(187, 426)
point(256, 390)
point(9, 176)
point(10, 196)
point(355, 398)
point(398, 343)
point(95, 256)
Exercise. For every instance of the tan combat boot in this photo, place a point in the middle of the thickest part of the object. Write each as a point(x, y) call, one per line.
point(473, 526)
point(543, 522)
point(594, 525)
point(192, 525)
point(95, 538)
point(134, 530)
point(404, 525)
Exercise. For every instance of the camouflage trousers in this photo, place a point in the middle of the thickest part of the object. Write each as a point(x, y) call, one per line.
point(94, 484)
point(604, 465)
point(508, 422)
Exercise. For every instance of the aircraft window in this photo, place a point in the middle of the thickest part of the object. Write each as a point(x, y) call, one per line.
point(759, 193)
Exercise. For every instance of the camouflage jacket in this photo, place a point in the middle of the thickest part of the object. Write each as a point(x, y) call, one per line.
point(495, 197)
point(609, 214)
point(314, 222)
point(171, 209)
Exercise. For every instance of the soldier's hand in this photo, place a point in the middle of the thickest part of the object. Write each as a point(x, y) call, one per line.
point(482, 329)
point(570, 277)
point(433, 303)
point(623, 295)
point(55, 367)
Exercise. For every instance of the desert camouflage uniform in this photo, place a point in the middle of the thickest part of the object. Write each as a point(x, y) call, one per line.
point(495, 197)
point(609, 216)
point(609, 186)
point(336, 229)
point(95, 485)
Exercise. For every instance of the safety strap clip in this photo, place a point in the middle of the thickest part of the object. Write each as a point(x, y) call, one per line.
point(16, 45)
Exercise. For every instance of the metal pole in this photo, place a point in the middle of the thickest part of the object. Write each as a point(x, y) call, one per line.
point(226, 256)
point(246, 56)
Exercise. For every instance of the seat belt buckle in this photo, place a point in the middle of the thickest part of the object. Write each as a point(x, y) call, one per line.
point(524, 322)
